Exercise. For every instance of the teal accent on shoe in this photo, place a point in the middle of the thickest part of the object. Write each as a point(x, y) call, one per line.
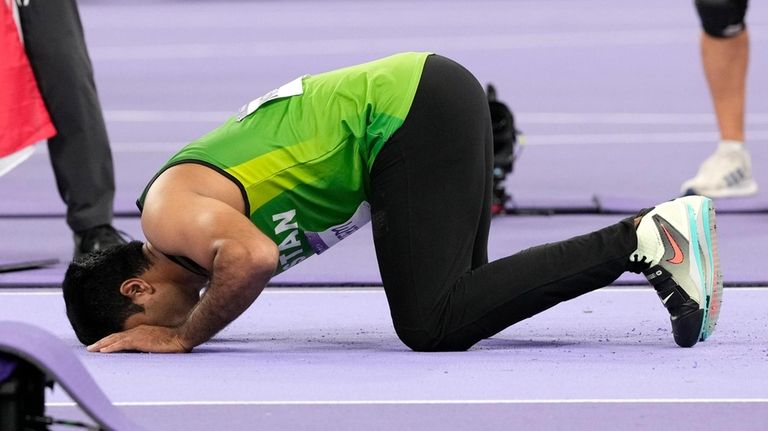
point(708, 239)
point(694, 229)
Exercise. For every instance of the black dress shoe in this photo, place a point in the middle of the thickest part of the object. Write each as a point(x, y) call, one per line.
point(97, 238)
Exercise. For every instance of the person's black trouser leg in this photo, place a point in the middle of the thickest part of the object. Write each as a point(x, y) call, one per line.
point(80, 153)
point(431, 194)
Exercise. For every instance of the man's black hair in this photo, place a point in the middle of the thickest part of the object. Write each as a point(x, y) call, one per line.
point(95, 306)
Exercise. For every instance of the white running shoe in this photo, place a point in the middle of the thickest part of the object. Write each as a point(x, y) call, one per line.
point(726, 173)
point(677, 252)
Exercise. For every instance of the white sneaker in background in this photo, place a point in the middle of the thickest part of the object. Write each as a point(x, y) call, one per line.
point(726, 173)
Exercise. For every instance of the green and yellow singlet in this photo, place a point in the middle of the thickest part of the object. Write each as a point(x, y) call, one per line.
point(301, 154)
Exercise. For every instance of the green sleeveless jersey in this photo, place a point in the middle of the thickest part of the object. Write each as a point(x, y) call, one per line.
point(301, 154)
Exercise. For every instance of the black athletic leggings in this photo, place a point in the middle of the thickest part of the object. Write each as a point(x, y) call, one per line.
point(430, 198)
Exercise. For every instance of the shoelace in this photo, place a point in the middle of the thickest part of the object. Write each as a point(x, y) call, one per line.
point(638, 265)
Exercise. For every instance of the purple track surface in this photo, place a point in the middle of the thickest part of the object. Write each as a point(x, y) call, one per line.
point(612, 99)
point(329, 359)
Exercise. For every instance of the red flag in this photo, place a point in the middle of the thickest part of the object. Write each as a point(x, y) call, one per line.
point(24, 119)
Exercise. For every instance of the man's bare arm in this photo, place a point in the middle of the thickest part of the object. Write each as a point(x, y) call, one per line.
point(238, 276)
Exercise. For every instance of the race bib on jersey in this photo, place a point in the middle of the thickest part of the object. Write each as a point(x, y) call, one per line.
point(293, 88)
point(322, 241)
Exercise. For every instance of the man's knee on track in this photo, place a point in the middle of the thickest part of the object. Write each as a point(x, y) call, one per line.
point(722, 18)
point(429, 341)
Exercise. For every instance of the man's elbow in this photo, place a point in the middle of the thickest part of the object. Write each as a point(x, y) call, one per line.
point(265, 258)
point(254, 264)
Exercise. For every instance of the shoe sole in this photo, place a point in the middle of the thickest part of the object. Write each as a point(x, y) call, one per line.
point(748, 188)
point(709, 265)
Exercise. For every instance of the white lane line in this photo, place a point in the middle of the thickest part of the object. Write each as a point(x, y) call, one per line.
point(156, 116)
point(35, 293)
point(168, 147)
point(427, 402)
point(441, 43)
point(373, 290)
point(629, 118)
point(625, 118)
point(531, 140)
point(633, 138)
